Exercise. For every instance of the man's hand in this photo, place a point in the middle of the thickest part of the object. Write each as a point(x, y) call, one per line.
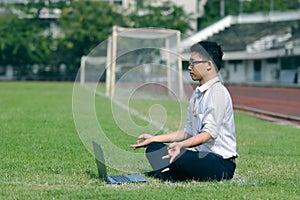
point(142, 141)
point(173, 151)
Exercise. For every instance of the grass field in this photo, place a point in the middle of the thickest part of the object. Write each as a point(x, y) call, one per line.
point(42, 156)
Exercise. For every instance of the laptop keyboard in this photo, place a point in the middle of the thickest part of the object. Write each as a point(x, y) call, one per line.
point(136, 177)
point(120, 178)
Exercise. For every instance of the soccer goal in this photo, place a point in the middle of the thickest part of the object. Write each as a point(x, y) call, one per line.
point(140, 62)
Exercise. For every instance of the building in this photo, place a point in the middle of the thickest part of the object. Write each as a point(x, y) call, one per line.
point(258, 48)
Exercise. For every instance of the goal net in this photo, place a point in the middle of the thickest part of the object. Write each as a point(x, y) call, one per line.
point(140, 62)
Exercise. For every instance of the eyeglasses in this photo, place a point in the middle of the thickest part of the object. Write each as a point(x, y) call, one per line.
point(192, 62)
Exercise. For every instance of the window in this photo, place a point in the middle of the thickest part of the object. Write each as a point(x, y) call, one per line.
point(272, 60)
point(119, 2)
point(290, 62)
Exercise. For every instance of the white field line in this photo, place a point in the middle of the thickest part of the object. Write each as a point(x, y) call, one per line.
point(135, 113)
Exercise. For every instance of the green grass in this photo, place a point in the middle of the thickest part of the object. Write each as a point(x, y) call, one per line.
point(42, 156)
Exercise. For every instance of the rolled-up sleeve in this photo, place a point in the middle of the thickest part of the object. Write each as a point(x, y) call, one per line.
point(214, 112)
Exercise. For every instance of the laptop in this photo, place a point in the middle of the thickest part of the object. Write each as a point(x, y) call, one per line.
point(102, 172)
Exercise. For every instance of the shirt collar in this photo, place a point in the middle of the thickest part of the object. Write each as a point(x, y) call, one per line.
point(208, 84)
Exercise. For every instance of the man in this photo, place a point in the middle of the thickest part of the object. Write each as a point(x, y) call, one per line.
point(209, 128)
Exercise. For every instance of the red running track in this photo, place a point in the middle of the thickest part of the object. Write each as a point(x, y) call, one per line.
point(284, 101)
point(275, 102)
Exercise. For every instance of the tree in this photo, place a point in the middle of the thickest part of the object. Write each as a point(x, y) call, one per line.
point(266, 6)
point(233, 7)
point(22, 41)
point(85, 24)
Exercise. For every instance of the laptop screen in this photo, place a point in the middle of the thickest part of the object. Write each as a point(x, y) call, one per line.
point(100, 161)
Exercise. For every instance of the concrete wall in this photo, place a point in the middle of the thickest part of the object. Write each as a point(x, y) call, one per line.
point(234, 72)
point(270, 72)
point(243, 72)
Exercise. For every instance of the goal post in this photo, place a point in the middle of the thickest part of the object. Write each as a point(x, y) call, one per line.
point(143, 61)
point(129, 49)
point(90, 67)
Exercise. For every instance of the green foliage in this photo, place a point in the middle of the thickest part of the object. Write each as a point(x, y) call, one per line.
point(265, 6)
point(85, 24)
point(23, 41)
point(42, 156)
point(234, 7)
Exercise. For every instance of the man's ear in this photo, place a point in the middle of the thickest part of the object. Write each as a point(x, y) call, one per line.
point(209, 65)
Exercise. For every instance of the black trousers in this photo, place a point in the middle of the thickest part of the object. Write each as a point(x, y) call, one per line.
point(190, 165)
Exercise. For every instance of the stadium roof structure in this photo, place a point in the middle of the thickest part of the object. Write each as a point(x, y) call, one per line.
point(253, 36)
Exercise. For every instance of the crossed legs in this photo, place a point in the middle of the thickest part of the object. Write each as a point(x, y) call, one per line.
point(190, 164)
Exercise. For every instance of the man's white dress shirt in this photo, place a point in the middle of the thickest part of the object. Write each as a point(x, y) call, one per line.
point(210, 110)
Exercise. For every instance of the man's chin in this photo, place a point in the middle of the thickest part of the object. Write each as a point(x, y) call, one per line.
point(193, 78)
